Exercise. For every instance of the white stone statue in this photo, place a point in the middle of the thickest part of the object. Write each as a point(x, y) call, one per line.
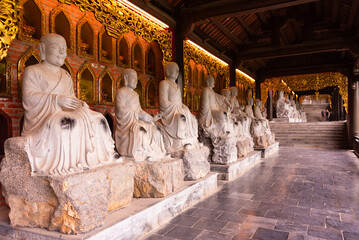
point(233, 100)
point(64, 136)
point(260, 129)
point(214, 115)
point(136, 135)
point(179, 126)
point(283, 109)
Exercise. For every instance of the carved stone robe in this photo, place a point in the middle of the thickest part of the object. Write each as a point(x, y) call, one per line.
point(136, 136)
point(61, 142)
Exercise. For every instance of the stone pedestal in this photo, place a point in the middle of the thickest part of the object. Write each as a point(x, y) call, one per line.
point(268, 151)
point(71, 204)
point(195, 162)
point(232, 171)
point(244, 146)
point(158, 179)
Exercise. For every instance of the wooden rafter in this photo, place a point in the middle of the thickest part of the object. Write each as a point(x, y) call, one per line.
point(353, 13)
point(227, 32)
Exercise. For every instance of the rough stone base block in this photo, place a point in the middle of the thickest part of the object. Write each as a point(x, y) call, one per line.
point(244, 146)
point(232, 171)
point(133, 222)
point(70, 204)
point(195, 162)
point(268, 151)
point(158, 179)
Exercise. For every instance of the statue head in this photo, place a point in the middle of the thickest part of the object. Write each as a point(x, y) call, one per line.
point(281, 94)
point(234, 91)
point(129, 78)
point(210, 81)
point(250, 101)
point(171, 70)
point(53, 49)
point(226, 93)
point(259, 103)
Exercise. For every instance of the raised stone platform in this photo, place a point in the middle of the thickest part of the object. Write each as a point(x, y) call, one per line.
point(231, 171)
point(288, 120)
point(136, 220)
point(268, 151)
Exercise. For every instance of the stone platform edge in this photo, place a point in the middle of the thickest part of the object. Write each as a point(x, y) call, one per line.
point(231, 171)
point(136, 220)
point(268, 151)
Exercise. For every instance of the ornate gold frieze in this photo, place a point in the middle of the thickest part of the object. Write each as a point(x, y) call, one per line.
point(86, 85)
point(9, 18)
point(26, 31)
point(6, 86)
point(103, 96)
point(60, 8)
point(200, 57)
point(30, 52)
point(307, 82)
point(118, 20)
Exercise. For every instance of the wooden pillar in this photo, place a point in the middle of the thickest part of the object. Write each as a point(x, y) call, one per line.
point(353, 111)
point(270, 105)
point(232, 74)
point(335, 105)
point(258, 88)
point(341, 110)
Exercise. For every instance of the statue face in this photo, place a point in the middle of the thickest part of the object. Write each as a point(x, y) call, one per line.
point(132, 80)
point(172, 71)
point(55, 51)
point(210, 82)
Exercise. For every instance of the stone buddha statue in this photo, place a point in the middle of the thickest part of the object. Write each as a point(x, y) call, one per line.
point(136, 134)
point(283, 109)
point(215, 110)
point(178, 125)
point(64, 136)
point(263, 130)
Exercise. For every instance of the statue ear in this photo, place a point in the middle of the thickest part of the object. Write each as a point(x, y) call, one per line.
point(42, 51)
point(125, 80)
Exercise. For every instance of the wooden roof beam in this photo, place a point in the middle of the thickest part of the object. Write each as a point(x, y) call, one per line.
point(335, 10)
point(230, 8)
point(227, 32)
point(353, 13)
point(319, 46)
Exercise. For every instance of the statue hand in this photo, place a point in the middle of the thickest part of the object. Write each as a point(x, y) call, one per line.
point(68, 103)
point(157, 117)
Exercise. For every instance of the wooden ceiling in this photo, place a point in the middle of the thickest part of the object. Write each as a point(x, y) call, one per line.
point(269, 37)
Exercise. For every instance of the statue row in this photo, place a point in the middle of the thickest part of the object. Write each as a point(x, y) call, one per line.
point(290, 109)
point(64, 136)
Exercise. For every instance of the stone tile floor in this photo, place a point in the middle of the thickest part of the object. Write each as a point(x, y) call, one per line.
point(299, 193)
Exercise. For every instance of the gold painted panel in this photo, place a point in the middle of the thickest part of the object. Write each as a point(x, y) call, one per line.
point(86, 83)
point(200, 57)
point(107, 87)
point(119, 20)
point(9, 18)
point(5, 77)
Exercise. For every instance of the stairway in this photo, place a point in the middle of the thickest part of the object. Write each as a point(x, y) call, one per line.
point(313, 111)
point(311, 134)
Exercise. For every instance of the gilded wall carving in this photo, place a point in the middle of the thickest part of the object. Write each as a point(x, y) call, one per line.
point(307, 82)
point(119, 20)
point(9, 18)
point(200, 57)
point(5, 77)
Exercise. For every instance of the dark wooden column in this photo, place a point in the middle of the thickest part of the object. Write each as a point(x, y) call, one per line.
point(335, 105)
point(353, 111)
point(258, 86)
point(232, 74)
point(270, 105)
point(341, 110)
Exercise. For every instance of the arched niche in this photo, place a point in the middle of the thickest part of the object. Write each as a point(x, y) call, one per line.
point(107, 88)
point(32, 21)
point(219, 83)
point(5, 77)
point(86, 44)
point(30, 57)
point(190, 74)
point(68, 68)
point(189, 100)
point(151, 62)
point(106, 47)
point(195, 77)
point(123, 53)
point(5, 130)
point(151, 94)
point(111, 122)
point(196, 102)
point(86, 83)
point(60, 23)
point(137, 57)
point(139, 90)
